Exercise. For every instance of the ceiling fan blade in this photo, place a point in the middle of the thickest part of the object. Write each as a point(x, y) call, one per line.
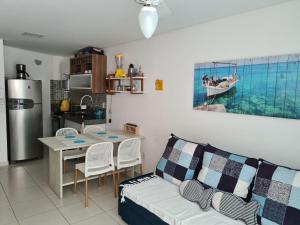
point(163, 8)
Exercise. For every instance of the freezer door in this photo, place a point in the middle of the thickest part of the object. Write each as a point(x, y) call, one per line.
point(25, 89)
point(25, 127)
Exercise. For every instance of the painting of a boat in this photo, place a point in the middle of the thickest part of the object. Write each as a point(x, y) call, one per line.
point(264, 86)
point(217, 86)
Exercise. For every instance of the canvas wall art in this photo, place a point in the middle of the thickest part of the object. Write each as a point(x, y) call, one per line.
point(266, 86)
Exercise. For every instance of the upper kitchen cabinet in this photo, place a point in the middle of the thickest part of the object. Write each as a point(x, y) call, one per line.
point(88, 72)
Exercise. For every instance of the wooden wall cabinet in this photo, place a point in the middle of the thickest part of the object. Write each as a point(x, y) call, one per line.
point(93, 64)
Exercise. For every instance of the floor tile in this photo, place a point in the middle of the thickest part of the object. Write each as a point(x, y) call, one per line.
point(7, 171)
point(33, 207)
point(25, 194)
point(100, 219)
point(3, 198)
point(68, 199)
point(114, 214)
point(6, 215)
point(46, 189)
point(40, 176)
point(77, 212)
point(17, 181)
point(3, 201)
point(48, 218)
point(94, 187)
point(105, 202)
point(25, 186)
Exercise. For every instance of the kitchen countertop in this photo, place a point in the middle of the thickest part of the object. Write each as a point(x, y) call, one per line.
point(76, 117)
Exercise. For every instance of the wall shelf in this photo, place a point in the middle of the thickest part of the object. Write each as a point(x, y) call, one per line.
point(131, 85)
point(125, 78)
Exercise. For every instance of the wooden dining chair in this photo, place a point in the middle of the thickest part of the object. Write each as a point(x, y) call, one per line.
point(98, 160)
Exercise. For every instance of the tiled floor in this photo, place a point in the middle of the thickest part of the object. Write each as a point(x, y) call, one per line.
point(26, 199)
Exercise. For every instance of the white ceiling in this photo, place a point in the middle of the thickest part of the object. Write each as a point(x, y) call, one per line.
point(72, 24)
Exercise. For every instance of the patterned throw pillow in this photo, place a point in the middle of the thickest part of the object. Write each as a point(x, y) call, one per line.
point(277, 189)
point(236, 208)
point(181, 160)
point(227, 172)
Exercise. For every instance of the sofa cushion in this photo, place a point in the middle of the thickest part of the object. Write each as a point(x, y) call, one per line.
point(163, 199)
point(277, 189)
point(227, 172)
point(180, 161)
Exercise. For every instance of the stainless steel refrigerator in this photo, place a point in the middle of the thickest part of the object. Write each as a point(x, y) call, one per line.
point(25, 120)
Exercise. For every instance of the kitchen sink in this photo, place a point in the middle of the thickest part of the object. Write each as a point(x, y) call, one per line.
point(78, 113)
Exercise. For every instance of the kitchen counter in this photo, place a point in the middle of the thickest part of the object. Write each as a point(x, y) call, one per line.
point(88, 119)
point(77, 117)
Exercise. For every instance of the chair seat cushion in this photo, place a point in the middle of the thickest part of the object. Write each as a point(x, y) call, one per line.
point(163, 199)
point(73, 154)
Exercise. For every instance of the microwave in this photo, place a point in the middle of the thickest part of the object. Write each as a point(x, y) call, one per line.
point(81, 82)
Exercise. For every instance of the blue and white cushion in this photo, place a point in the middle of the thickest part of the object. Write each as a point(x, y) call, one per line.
point(227, 172)
point(277, 189)
point(181, 160)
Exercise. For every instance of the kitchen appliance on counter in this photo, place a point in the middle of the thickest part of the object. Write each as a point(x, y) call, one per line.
point(119, 63)
point(25, 120)
point(64, 105)
point(21, 71)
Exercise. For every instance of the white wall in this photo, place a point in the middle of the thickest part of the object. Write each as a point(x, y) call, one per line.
point(51, 68)
point(3, 148)
point(171, 57)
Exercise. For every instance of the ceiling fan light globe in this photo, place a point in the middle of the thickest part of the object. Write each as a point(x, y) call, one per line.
point(148, 19)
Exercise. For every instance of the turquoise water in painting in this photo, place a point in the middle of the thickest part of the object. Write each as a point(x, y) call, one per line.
point(264, 89)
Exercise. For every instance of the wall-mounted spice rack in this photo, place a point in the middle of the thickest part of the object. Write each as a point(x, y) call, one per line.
point(132, 85)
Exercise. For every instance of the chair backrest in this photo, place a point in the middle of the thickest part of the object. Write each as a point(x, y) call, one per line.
point(129, 153)
point(99, 159)
point(92, 129)
point(66, 131)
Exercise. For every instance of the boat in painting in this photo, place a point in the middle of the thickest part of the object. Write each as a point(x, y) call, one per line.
point(217, 86)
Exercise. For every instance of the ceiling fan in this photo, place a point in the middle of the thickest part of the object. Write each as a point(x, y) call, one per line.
point(148, 17)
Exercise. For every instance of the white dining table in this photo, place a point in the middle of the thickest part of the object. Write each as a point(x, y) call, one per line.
point(57, 179)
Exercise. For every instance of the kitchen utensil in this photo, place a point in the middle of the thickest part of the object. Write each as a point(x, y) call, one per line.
point(21, 71)
point(65, 105)
point(119, 63)
point(131, 70)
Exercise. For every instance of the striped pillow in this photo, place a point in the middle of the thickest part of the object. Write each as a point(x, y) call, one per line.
point(235, 208)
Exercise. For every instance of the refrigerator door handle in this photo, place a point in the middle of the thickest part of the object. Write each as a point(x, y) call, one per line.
point(19, 104)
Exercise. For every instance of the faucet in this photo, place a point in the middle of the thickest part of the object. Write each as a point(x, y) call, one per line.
point(82, 98)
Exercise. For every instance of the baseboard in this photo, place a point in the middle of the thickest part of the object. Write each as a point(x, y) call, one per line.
point(4, 163)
